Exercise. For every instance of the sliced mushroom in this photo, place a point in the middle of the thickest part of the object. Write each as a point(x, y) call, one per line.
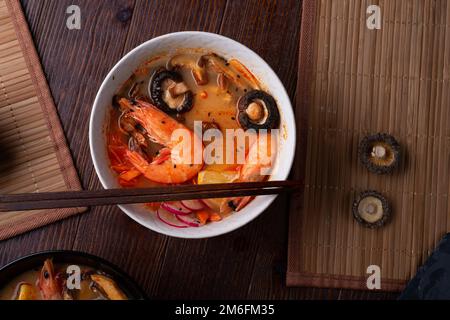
point(108, 286)
point(222, 82)
point(159, 89)
point(244, 72)
point(221, 66)
point(177, 89)
point(258, 110)
point(197, 67)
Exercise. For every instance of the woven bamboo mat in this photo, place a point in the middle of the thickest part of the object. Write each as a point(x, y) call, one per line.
point(352, 82)
point(34, 154)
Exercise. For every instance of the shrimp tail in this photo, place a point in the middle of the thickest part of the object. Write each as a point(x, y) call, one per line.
point(234, 204)
point(163, 155)
point(137, 161)
point(243, 202)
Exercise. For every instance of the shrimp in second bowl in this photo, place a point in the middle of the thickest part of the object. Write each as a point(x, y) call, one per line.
point(48, 284)
point(161, 129)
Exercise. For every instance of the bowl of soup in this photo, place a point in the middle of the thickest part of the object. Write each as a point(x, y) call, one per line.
point(192, 108)
point(65, 275)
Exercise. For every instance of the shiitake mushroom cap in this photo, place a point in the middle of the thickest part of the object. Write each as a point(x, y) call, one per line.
point(272, 119)
point(388, 157)
point(157, 92)
point(371, 219)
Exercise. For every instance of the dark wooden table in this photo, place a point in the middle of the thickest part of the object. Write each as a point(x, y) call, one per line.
point(248, 263)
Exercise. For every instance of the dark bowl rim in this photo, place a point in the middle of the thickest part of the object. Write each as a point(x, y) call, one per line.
point(123, 277)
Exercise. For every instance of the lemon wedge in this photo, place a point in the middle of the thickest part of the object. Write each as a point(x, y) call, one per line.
point(207, 176)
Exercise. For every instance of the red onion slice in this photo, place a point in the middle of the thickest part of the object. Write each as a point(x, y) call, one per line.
point(189, 220)
point(205, 204)
point(176, 208)
point(193, 205)
point(168, 218)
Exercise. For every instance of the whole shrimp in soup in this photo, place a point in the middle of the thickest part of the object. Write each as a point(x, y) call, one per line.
point(179, 160)
point(258, 166)
point(47, 283)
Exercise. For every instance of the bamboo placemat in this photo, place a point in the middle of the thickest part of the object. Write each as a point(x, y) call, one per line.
point(35, 157)
point(352, 82)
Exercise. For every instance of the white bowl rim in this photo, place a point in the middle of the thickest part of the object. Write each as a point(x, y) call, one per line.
point(286, 162)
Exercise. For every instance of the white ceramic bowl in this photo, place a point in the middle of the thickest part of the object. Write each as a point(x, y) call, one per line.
point(229, 49)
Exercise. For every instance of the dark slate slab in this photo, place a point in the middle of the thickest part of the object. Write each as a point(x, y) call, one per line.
point(432, 281)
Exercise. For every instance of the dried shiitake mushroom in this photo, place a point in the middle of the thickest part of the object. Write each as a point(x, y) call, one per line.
point(371, 209)
point(379, 153)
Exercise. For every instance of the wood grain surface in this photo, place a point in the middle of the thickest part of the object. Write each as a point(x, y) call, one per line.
point(247, 263)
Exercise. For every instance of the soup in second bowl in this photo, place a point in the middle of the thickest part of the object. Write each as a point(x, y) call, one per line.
point(54, 282)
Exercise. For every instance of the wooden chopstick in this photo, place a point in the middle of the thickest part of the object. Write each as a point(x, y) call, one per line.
point(73, 199)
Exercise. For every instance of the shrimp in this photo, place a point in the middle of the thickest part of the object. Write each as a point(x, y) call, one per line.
point(47, 282)
point(160, 129)
point(258, 166)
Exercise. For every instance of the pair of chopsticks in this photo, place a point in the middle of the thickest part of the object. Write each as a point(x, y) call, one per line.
point(86, 198)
